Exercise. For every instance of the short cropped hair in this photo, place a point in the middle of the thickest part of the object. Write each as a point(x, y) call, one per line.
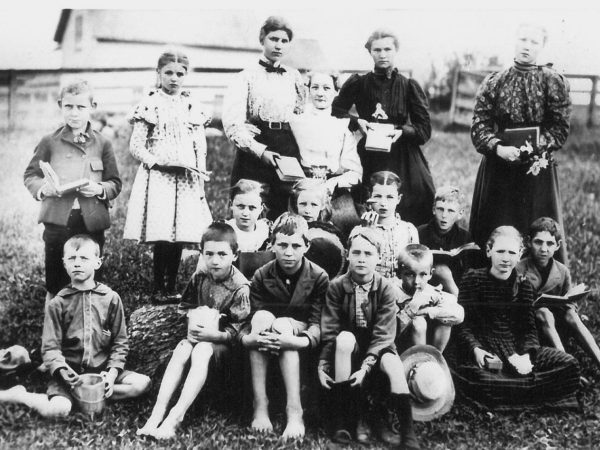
point(545, 224)
point(504, 230)
point(416, 253)
point(172, 55)
point(368, 234)
point(76, 87)
point(382, 33)
point(220, 231)
point(79, 240)
point(289, 224)
point(314, 185)
point(449, 194)
point(275, 23)
point(244, 186)
point(386, 178)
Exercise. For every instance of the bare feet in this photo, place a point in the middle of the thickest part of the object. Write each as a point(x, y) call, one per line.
point(13, 394)
point(152, 423)
point(295, 425)
point(166, 430)
point(261, 421)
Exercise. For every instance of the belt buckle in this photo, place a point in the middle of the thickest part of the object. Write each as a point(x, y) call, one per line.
point(319, 172)
point(275, 125)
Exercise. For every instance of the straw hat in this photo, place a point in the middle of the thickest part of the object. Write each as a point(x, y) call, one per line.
point(13, 357)
point(429, 381)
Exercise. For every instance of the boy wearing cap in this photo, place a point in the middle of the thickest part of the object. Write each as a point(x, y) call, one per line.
point(358, 327)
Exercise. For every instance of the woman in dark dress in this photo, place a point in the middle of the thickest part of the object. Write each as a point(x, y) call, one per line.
point(500, 323)
point(524, 95)
point(405, 105)
point(257, 110)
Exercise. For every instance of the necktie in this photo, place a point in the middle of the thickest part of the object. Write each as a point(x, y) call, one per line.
point(269, 68)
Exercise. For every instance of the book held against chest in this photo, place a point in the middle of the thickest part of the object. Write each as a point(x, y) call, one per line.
point(518, 137)
point(52, 178)
point(288, 168)
point(378, 137)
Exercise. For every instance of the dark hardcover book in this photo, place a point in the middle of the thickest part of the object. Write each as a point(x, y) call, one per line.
point(288, 168)
point(517, 137)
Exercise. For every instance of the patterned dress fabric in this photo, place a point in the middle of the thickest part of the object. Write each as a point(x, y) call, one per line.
point(394, 239)
point(500, 319)
point(164, 206)
point(504, 193)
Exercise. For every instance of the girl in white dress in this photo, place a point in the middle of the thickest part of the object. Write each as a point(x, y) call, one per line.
point(167, 206)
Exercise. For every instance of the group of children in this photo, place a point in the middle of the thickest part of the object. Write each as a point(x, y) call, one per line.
point(292, 313)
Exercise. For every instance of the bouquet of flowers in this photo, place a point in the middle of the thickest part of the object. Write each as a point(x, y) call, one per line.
point(536, 158)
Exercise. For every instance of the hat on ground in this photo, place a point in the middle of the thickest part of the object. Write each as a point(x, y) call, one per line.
point(13, 357)
point(429, 381)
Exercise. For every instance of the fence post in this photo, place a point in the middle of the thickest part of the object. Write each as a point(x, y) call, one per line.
point(455, 78)
point(592, 105)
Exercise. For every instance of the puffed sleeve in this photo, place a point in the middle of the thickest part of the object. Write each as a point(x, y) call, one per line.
point(555, 128)
point(483, 134)
point(349, 160)
point(346, 98)
point(300, 92)
point(235, 107)
point(419, 129)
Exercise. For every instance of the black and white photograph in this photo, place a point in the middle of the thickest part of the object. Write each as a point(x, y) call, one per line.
point(269, 225)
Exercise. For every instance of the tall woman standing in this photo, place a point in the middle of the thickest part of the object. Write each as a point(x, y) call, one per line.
point(524, 95)
point(256, 114)
point(403, 104)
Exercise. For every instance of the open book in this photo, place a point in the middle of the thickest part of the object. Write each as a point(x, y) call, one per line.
point(51, 177)
point(576, 293)
point(288, 168)
point(517, 137)
point(444, 256)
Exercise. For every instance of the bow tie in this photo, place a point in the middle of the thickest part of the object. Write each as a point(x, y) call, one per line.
point(269, 68)
point(81, 138)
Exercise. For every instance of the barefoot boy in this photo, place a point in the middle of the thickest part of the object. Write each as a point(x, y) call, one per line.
point(73, 151)
point(444, 233)
point(358, 327)
point(549, 276)
point(286, 297)
point(424, 309)
point(84, 332)
point(219, 286)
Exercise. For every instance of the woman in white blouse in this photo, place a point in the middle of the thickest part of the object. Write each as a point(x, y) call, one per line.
point(327, 146)
point(257, 111)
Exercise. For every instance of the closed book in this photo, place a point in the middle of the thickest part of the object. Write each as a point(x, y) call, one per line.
point(517, 137)
point(575, 294)
point(288, 168)
point(52, 178)
point(378, 137)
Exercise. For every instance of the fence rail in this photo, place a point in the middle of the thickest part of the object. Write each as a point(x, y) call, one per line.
point(465, 84)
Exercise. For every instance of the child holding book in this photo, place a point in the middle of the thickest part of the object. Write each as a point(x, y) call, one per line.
point(396, 234)
point(443, 232)
point(73, 151)
point(358, 328)
point(428, 313)
point(549, 276)
point(84, 332)
point(499, 326)
point(245, 201)
point(220, 287)
point(286, 297)
point(167, 206)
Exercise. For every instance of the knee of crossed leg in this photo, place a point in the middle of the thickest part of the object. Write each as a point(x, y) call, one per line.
point(141, 384)
point(544, 317)
point(419, 324)
point(345, 342)
point(261, 321)
point(282, 325)
point(57, 406)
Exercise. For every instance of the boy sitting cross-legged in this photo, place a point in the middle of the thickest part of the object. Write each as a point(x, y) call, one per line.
point(549, 276)
point(84, 332)
point(286, 296)
point(424, 309)
point(218, 289)
point(358, 327)
point(443, 232)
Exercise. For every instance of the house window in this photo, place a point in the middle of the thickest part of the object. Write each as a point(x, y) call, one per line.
point(78, 32)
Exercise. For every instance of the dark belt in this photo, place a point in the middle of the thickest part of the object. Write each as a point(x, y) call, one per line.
point(273, 125)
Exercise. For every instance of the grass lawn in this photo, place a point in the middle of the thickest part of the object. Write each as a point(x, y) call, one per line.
point(128, 271)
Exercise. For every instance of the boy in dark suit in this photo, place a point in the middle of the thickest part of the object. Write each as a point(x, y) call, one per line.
point(286, 296)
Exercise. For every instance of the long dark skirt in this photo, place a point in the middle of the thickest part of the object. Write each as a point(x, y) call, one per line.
point(247, 165)
point(552, 384)
point(407, 161)
point(506, 195)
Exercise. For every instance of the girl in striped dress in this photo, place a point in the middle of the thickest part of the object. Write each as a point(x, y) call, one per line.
point(500, 323)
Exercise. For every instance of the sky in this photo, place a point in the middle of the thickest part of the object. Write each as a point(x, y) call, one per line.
point(430, 32)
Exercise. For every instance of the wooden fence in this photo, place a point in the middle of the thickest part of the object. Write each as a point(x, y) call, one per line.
point(465, 83)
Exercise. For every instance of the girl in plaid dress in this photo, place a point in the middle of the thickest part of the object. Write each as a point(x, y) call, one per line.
point(500, 323)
